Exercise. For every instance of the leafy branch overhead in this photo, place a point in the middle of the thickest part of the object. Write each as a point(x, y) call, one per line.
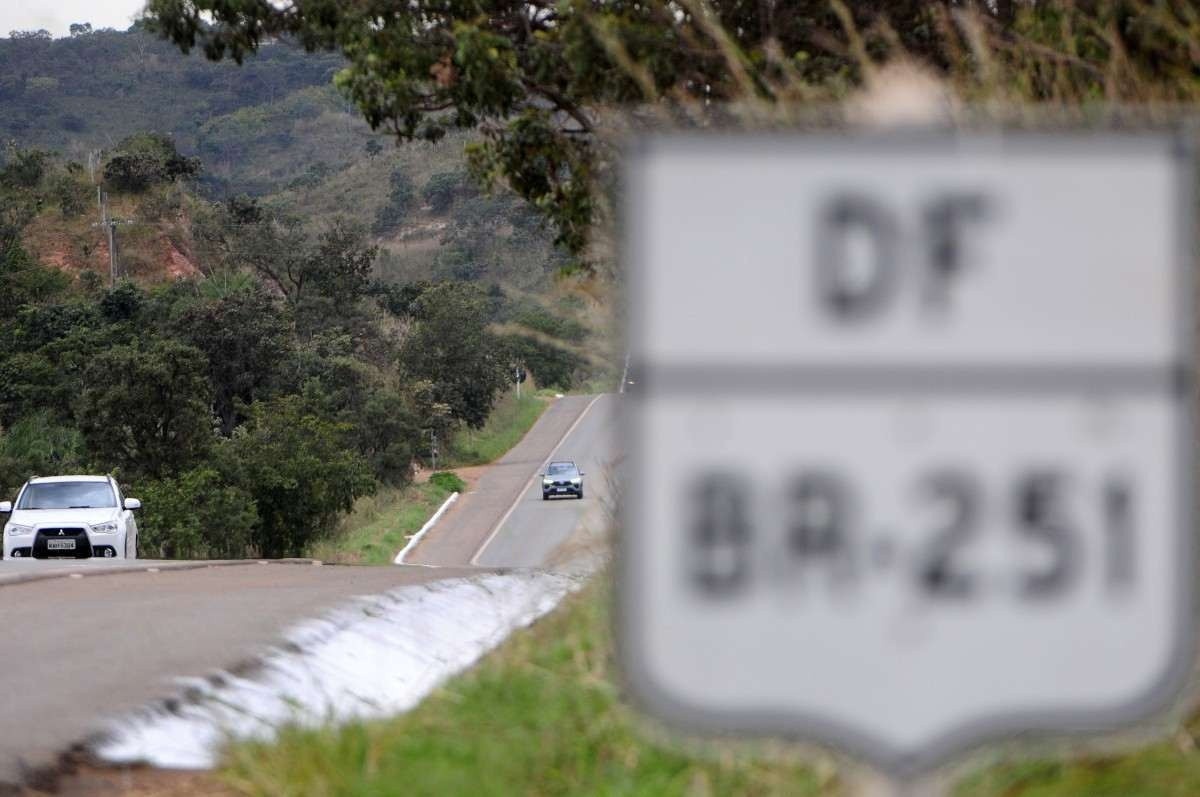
point(535, 77)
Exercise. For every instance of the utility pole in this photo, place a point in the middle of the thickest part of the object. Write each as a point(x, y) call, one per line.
point(433, 447)
point(110, 229)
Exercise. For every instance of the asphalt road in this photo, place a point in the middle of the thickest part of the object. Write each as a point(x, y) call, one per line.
point(78, 649)
point(503, 522)
point(89, 640)
point(535, 529)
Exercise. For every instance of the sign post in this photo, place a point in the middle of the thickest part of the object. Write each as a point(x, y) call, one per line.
point(912, 446)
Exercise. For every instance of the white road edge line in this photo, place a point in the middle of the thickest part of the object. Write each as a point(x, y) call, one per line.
point(496, 529)
point(416, 538)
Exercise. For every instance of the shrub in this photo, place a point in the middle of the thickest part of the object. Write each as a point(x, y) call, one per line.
point(442, 189)
point(300, 470)
point(147, 159)
point(553, 366)
point(36, 445)
point(538, 318)
point(448, 481)
point(399, 202)
point(195, 516)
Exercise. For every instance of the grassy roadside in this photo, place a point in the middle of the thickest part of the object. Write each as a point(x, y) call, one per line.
point(380, 525)
point(1167, 769)
point(539, 716)
point(510, 420)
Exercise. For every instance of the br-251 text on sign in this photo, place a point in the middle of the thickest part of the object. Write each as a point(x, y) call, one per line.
point(911, 438)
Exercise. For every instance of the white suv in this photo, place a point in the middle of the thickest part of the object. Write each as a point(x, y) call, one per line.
point(72, 517)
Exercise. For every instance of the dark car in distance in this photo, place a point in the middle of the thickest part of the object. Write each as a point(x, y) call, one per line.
point(562, 478)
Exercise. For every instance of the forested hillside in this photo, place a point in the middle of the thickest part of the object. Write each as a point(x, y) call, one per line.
point(298, 303)
point(93, 89)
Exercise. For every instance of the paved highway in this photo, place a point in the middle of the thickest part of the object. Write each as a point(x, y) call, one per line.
point(68, 664)
point(535, 529)
point(503, 522)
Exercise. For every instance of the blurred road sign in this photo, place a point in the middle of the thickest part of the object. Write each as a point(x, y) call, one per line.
point(912, 446)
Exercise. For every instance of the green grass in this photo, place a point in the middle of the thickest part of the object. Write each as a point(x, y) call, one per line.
point(1167, 769)
point(542, 715)
point(505, 427)
point(380, 525)
point(539, 716)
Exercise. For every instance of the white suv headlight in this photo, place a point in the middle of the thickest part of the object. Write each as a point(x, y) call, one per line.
point(104, 528)
point(15, 530)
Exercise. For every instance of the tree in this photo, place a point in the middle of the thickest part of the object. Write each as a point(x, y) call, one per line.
point(532, 76)
point(24, 168)
point(400, 199)
point(300, 470)
point(25, 281)
point(451, 347)
point(80, 29)
point(37, 444)
point(442, 189)
point(535, 77)
point(146, 407)
point(337, 265)
point(147, 159)
point(196, 515)
point(340, 266)
point(246, 338)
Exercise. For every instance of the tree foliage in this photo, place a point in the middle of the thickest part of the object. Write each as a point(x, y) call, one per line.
point(451, 347)
point(197, 515)
point(400, 200)
point(251, 407)
point(148, 406)
point(246, 339)
point(147, 159)
point(534, 78)
point(299, 470)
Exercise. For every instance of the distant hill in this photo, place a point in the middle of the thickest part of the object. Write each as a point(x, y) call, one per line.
point(86, 92)
point(277, 130)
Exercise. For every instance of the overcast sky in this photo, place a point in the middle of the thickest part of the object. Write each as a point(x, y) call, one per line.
point(57, 15)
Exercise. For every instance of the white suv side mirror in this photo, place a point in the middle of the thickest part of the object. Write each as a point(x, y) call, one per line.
point(132, 503)
point(5, 507)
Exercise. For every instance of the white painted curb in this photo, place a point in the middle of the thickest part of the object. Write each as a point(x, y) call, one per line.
point(416, 538)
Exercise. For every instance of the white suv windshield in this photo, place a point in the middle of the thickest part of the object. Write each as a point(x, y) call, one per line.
point(67, 495)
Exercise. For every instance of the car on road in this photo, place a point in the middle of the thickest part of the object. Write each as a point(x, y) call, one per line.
point(70, 517)
point(562, 478)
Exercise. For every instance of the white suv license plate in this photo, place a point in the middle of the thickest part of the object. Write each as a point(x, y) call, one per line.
point(60, 545)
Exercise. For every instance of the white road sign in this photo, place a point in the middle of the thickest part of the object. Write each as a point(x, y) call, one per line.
point(911, 439)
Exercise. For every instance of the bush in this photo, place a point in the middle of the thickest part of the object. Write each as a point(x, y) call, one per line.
point(146, 407)
point(147, 159)
point(24, 168)
point(36, 445)
point(441, 190)
point(448, 481)
point(539, 319)
point(300, 470)
point(551, 365)
point(400, 198)
point(196, 516)
point(71, 195)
